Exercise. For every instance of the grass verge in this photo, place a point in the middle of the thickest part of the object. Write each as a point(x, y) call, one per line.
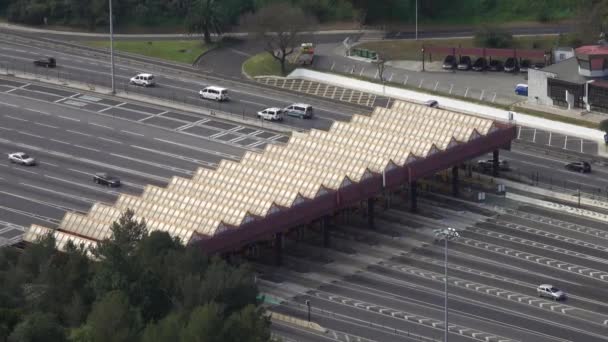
point(183, 51)
point(410, 49)
point(263, 64)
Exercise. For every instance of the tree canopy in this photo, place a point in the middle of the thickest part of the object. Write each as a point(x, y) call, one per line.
point(134, 286)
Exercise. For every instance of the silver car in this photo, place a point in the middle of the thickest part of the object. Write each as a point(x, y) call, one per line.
point(550, 291)
point(21, 158)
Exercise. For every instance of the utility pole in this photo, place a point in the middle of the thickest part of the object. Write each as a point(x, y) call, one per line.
point(308, 306)
point(416, 19)
point(112, 46)
point(446, 234)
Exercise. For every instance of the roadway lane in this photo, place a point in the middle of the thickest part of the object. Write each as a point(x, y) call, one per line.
point(246, 98)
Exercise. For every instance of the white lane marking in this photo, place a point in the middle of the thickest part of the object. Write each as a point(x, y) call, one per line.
point(200, 149)
point(176, 156)
point(121, 182)
point(31, 134)
point(129, 132)
point(45, 125)
point(61, 142)
point(106, 191)
point(161, 166)
point(37, 111)
point(110, 140)
point(61, 193)
point(9, 104)
point(69, 118)
point(50, 164)
point(48, 204)
point(6, 129)
point(76, 132)
point(15, 118)
point(102, 126)
point(87, 148)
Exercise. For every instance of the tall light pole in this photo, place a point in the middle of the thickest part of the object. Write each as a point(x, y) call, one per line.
point(446, 234)
point(112, 46)
point(416, 19)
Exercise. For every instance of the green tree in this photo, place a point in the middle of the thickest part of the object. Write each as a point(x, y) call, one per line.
point(205, 325)
point(603, 126)
point(251, 322)
point(38, 327)
point(168, 329)
point(112, 319)
point(214, 16)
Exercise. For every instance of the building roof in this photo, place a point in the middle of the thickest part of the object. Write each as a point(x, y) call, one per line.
point(592, 50)
point(566, 70)
point(282, 177)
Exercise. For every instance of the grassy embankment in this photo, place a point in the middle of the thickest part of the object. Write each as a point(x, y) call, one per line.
point(183, 51)
point(263, 64)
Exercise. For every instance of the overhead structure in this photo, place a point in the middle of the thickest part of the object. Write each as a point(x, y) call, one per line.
point(315, 174)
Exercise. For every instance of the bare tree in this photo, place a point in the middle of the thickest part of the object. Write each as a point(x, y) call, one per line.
point(281, 26)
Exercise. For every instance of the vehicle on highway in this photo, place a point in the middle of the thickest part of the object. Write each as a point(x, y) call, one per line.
point(431, 103)
point(449, 62)
point(495, 65)
point(525, 65)
point(271, 114)
point(581, 166)
point(511, 65)
point(214, 93)
point(103, 178)
point(144, 80)
point(306, 54)
point(549, 291)
point(300, 110)
point(521, 89)
point(47, 62)
point(486, 165)
point(465, 63)
point(480, 64)
point(21, 158)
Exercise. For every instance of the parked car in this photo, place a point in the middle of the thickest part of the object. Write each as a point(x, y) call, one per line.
point(144, 80)
point(431, 103)
point(549, 291)
point(496, 65)
point(271, 114)
point(214, 93)
point(449, 62)
point(103, 178)
point(300, 110)
point(21, 158)
point(465, 63)
point(581, 166)
point(47, 62)
point(538, 65)
point(480, 64)
point(521, 89)
point(487, 165)
point(511, 65)
point(525, 65)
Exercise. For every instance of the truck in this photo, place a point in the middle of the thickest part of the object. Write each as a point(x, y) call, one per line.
point(47, 62)
point(306, 54)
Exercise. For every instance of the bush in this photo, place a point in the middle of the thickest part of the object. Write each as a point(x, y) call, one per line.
point(493, 38)
point(603, 126)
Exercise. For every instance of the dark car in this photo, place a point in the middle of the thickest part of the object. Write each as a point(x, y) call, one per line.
point(465, 63)
point(525, 65)
point(47, 62)
point(511, 65)
point(495, 65)
point(103, 178)
point(582, 167)
point(487, 165)
point(431, 103)
point(480, 64)
point(538, 65)
point(449, 62)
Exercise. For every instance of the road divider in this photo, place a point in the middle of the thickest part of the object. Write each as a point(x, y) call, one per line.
point(275, 316)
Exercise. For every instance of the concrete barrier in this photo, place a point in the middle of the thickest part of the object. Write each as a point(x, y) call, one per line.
point(275, 316)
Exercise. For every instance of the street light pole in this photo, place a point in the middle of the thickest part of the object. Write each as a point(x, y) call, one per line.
point(446, 234)
point(308, 306)
point(416, 19)
point(112, 46)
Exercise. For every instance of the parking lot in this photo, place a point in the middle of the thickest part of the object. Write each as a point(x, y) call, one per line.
point(557, 140)
point(188, 123)
point(387, 284)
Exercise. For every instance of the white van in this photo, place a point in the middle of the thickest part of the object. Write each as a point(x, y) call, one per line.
point(214, 93)
point(271, 114)
point(300, 110)
point(146, 80)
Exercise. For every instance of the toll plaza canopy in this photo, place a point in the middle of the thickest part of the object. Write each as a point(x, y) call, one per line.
point(315, 174)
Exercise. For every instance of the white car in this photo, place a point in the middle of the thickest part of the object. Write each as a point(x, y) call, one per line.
point(271, 114)
point(549, 291)
point(145, 80)
point(21, 158)
point(214, 93)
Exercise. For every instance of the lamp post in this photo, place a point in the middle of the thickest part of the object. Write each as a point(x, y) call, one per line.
point(308, 306)
point(446, 234)
point(112, 46)
point(416, 19)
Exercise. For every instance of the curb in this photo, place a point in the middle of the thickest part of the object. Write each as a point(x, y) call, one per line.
point(155, 101)
point(274, 316)
point(198, 59)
